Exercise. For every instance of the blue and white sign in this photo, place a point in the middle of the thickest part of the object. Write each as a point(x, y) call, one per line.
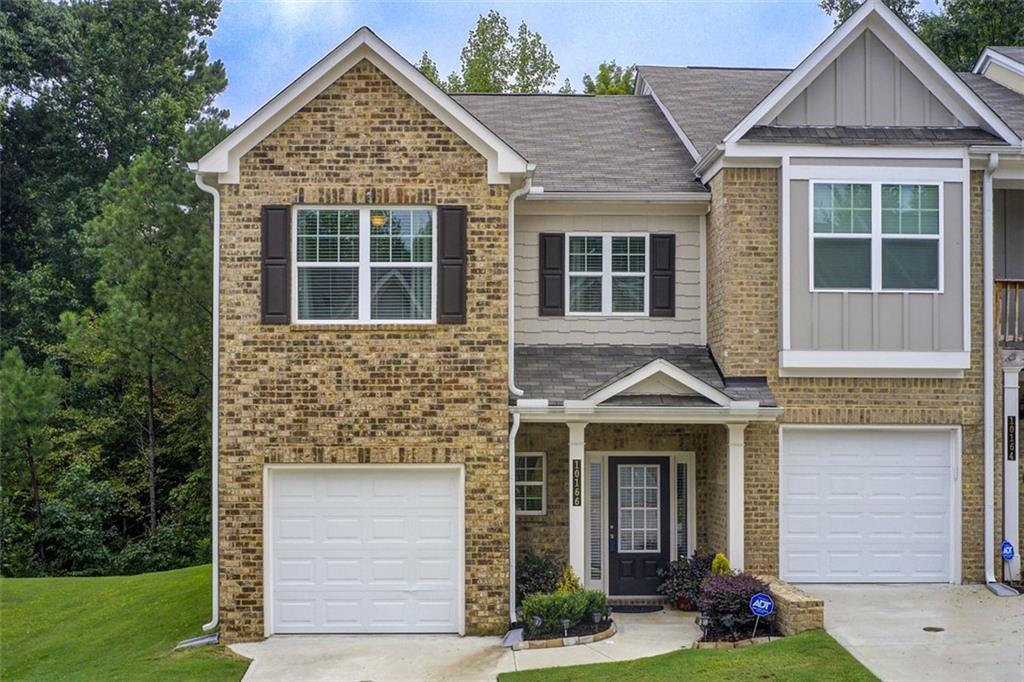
point(1007, 550)
point(762, 605)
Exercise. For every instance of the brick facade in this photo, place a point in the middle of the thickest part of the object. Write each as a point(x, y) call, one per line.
point(743, 324)
point(310, 394)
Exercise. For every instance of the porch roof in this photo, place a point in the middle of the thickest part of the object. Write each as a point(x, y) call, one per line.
point(576, 373)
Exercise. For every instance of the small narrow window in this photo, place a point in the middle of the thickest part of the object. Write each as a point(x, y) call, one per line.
point(596, 527)
point(531, 479)
point(607, 274)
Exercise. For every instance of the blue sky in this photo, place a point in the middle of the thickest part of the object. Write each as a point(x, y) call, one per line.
point(265, 44)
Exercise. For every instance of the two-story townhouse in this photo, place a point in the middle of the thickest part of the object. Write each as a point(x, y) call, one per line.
point(743, 310)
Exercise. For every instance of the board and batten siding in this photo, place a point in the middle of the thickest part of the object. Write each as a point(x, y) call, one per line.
point(1008, 221)
point(685, 327)
point(876, 321)
point(866, 85)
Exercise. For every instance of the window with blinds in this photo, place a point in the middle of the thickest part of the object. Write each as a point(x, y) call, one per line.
point(364, 265)
point(596, 527)
point(607, 274)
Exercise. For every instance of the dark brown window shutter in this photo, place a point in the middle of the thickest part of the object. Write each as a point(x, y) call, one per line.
point(663, 275)
point(275, 305)
point(552, 274)
point(451, 264)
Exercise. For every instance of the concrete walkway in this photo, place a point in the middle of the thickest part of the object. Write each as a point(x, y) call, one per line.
point(883, 627)
point(445, 657)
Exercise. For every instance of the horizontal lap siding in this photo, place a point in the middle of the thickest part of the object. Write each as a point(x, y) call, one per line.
point(531, 328)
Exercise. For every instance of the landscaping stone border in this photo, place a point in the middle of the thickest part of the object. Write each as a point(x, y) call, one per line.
point(564, 641)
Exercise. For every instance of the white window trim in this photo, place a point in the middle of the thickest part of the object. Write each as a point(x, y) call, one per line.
point(607, 273)
point(543, 483)
point(363, 264)
point(876, 236)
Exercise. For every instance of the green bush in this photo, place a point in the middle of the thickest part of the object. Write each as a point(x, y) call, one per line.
point(570, 582)
point(535, 573)
point(552, 608)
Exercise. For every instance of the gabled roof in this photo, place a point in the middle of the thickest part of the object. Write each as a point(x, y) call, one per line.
point(605, 375)
point(708, 102)
point(1008, 104)
point(1016, 53)
point(874, 15)
point(223, 160)
point(583, 143)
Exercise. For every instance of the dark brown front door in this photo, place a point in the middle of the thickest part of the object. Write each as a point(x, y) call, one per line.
point(638, 523)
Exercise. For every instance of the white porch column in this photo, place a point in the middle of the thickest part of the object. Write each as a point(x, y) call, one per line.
point(1013, 361)
point(736, 495)
point(577, 493)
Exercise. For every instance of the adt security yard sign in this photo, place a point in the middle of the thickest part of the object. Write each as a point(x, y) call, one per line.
point(1006, 548)
point(762, 605)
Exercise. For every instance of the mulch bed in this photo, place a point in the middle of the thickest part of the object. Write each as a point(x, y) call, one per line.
point(764, 629)
point(581, 630)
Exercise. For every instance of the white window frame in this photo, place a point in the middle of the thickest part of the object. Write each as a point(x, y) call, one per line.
point(875, 236)
point(364, 264)
point(607, 274)
point(543, 483)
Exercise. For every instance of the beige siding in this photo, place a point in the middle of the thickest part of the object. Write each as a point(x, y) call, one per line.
point(685, 327)
point(865, 321)
point(866, 85)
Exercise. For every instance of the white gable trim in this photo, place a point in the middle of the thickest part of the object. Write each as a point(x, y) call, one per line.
point(908, 48)
point(673, 373)
point(990, 55)
point(223, 160)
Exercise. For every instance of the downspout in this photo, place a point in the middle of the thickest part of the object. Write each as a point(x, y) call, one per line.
point(988, 272)
point(514, 390)
point(215, 416)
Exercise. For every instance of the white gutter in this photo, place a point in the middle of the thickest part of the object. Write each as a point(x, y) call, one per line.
point(515, 390)
point(624, 197)
point(989, 367)
point(215, 418)
point(512, 518)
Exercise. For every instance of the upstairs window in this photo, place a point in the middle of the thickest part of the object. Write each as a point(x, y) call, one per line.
point(607, 274)
point(876, 236)
point(362, 265)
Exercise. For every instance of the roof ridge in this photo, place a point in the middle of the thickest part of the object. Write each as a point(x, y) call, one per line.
point(715, 68)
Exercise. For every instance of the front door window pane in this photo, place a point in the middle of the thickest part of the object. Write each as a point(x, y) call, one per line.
point(639, 508)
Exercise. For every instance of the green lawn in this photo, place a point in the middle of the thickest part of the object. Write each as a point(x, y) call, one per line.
point(120, 628)
point(812, 656)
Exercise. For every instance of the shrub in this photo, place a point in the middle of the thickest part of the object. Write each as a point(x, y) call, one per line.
point(725, 601)
point(683, 578)
point(576, 607)
point(720, 565)
point(569, 581)
point(535, 574)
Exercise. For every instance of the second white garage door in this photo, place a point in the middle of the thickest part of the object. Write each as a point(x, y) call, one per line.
point(866, 505)
point(365, 550)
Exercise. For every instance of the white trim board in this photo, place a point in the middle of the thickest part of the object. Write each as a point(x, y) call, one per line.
point(833, 363)
point(223, 160)
point(672, 373)
point(965, 105)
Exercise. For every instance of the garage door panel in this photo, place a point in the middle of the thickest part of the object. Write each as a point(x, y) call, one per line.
point(367, 551)
point(865, 506)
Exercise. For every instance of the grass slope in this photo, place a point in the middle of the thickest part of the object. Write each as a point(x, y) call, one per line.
point(118, 628)
point(809, 657)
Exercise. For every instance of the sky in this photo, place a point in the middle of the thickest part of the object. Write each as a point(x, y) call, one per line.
point(265, 44)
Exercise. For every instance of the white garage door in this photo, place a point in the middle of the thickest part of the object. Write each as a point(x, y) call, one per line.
point(866, 506)
point(365, 550)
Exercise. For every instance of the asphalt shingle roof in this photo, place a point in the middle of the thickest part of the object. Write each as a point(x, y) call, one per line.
point(1007, 104)
point(708, 102)
point(1016, 53)
point(583, 143)
point(559, 373)
point(854, 135)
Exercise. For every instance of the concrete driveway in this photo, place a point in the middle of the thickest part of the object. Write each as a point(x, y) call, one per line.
point(982, 635)
point(447, 657)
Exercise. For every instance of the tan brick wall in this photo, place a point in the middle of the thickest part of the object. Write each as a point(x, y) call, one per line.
point(713, 492)
point(743, 323)
point(371, 394)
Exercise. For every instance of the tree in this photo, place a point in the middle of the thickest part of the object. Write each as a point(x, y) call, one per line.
point(31, 399)
point(841, 10)
point(566, 88)
point(611, 80)
point(964, 28)
point(494, 60)
point(428, 68)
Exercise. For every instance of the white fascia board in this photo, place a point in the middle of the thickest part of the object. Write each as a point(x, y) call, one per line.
point(989, 55)
point(651, 415)
point(223, 160)
point(624, 197)
point(943, 364)
point(915, 55)
point(666, 368)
